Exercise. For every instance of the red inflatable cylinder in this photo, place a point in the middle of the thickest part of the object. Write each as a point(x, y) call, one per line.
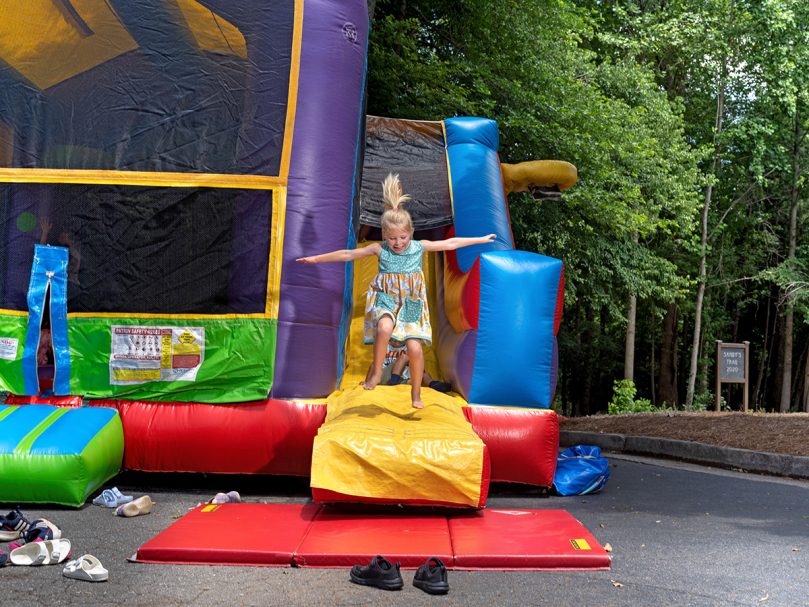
point(523, 443)
point(261, 437)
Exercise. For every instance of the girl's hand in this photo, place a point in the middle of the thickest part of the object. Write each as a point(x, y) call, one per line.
point(490, 237)
point(306, 260)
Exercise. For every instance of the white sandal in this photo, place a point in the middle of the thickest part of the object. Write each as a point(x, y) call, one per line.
point(49, 552)
point(87, 568)
point(29, 555)
point(56, 551)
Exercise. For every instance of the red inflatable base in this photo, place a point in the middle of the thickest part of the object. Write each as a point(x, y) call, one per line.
point(315, 536)
point(276, 436)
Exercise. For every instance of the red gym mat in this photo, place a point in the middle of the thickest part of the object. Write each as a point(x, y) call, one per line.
point(338, 539)
point(500, 538)
point(232, 534)
point(317, 536)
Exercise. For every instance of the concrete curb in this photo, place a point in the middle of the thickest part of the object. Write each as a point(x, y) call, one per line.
point(776, 464)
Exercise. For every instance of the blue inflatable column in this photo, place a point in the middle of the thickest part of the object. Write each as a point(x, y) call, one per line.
point(509, 356)
point(49, 271)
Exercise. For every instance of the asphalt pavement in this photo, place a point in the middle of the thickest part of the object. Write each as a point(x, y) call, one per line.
point(680, 534)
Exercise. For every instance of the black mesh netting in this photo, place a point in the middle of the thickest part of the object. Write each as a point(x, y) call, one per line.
point(152, 85)
point(140, 249)
point(415, 150)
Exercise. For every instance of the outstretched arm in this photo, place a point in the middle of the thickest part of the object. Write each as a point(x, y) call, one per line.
point(344, 254)
point(458, 242)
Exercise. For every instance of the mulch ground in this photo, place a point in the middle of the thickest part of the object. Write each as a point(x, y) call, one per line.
point(772, 432)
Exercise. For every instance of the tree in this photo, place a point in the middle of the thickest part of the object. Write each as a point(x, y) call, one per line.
point(555, 98)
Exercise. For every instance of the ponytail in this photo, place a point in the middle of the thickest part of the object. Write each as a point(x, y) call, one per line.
point(394, 196)
point(392, 192)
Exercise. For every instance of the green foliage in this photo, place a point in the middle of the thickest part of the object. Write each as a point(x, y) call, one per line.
point(628, 93)
point(704, 401)
point(624, 401)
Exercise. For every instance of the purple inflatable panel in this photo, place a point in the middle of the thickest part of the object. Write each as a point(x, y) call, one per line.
point(320, 195)
point(456, 351)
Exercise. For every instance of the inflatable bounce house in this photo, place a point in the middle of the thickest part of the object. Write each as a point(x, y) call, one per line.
point(162, 165)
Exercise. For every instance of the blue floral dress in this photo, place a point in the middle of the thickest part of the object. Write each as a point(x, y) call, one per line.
point(398, 291)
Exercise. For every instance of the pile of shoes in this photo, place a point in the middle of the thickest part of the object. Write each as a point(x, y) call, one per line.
point(39, 542)
point(431, 577)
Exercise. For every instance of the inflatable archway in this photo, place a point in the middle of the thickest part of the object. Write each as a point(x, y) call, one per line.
point(161, 168)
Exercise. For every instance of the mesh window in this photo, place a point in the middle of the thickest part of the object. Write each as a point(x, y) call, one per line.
point(416, 151)
point(140, 249)
point(152, 85)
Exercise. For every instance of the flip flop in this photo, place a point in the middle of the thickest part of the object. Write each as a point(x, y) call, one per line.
point(120, 497)
point(142, 505)
point(112, 498)
point(87, 568)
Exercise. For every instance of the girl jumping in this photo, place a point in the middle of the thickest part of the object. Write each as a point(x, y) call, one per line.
point(396, 307)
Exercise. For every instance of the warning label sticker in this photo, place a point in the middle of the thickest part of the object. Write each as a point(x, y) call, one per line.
point(8, 348)
point(144, 354)
point(580, 544)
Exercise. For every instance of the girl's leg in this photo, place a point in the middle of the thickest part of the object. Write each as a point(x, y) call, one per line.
point(384, 329)
point(416, 358)
point(400, 364)
point(397, 368)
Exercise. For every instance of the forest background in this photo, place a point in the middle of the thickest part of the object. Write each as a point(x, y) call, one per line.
point(687, 121)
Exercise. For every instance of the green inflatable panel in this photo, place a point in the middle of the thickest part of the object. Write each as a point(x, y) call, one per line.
point(57, 455)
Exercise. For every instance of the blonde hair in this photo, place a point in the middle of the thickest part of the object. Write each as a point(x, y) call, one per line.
point(393, 196)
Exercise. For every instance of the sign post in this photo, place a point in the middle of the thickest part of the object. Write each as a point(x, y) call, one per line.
point(732, 367)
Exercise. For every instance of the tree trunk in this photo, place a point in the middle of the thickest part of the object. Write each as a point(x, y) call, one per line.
point(786, 371)
point(777, 363)
point(797, 380)
point(703, 372)
point(629, 347)
point(764, 361)
point(668, 358)
point(652, 356)
point(629, 344)
point(701, 278)
point(717, 131)
point(805, 403)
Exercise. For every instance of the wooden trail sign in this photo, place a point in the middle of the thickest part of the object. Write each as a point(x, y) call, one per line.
point(732, 367)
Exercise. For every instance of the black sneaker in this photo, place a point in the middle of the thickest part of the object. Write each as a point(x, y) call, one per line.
point(432, 579)
point(380, 573)
point(13, 525)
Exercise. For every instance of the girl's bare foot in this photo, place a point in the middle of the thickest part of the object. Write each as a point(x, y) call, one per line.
point(417, 404)
point(371, 380)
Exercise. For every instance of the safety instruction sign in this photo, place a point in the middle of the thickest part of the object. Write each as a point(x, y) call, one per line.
point(8, 348)
point(143, 354)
